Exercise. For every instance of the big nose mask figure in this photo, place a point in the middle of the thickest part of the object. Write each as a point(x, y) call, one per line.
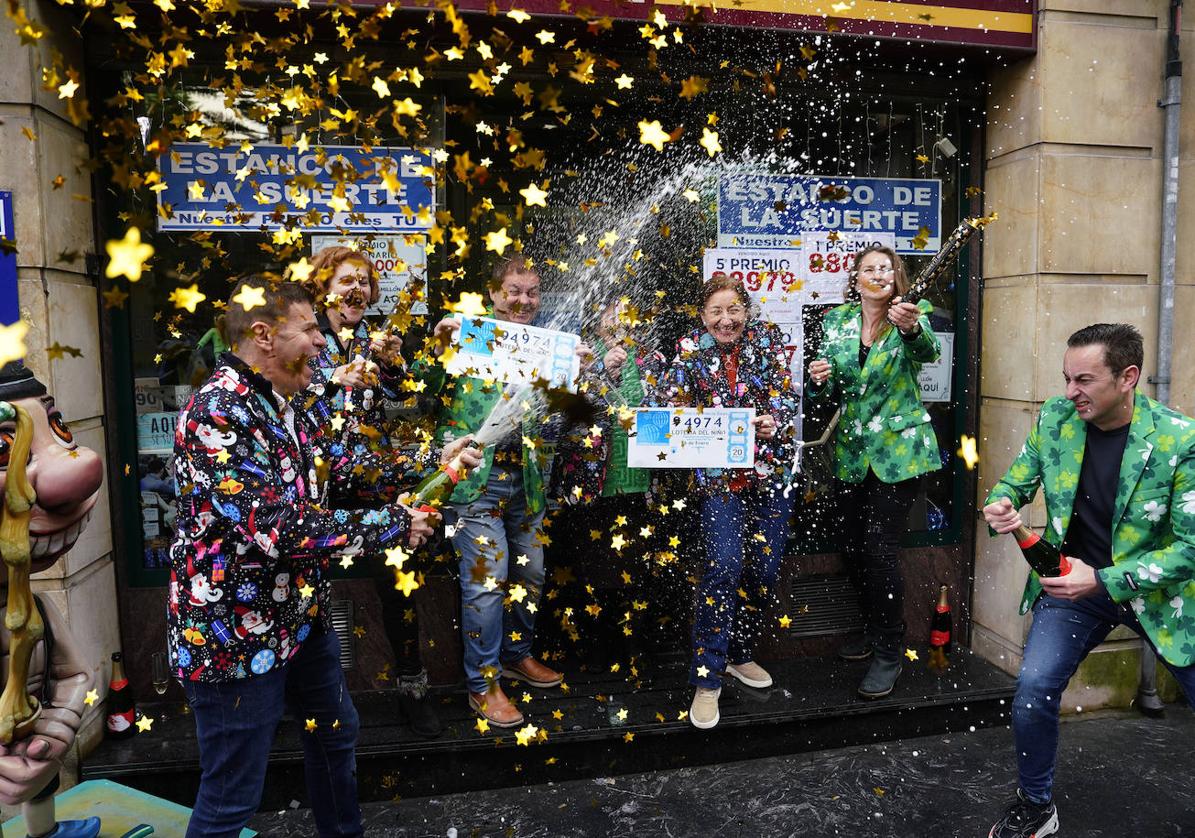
point(66, 478)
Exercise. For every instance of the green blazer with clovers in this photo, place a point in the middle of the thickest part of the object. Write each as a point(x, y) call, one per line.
point(1153, 525)
point(883, 426)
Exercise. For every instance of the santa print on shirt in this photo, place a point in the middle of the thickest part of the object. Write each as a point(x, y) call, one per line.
point(253, 536)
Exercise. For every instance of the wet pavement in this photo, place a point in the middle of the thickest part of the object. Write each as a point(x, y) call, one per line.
point(1118, 775)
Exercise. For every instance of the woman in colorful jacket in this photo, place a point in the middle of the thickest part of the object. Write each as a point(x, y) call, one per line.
point(605, 502)
point(351, 376)
point(873, 349)
point(735, 361)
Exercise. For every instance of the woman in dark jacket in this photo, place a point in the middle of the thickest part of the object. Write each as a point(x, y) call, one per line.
point(735, 361)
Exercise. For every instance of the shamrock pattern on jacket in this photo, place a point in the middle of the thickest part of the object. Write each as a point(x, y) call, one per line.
point(697, 378)
point(253, 536)
point(884, 426)
point(1153, 524)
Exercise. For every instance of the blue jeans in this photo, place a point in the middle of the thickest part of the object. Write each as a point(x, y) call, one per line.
point(1063, 633)
point(497, 542)
point(236, 720)
point(725, 624)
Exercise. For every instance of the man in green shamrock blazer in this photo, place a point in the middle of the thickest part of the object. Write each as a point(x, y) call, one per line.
point(495, 515)
point(1118, 472)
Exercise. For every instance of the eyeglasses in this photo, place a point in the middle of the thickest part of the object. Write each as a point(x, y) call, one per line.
point(733, 312)
point(882, 270)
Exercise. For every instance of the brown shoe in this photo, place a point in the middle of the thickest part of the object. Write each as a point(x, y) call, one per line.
point(532, 672)
point(495, 708)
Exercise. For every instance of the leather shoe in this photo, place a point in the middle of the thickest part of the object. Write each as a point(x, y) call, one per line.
point(532, 672)
point(495, 708)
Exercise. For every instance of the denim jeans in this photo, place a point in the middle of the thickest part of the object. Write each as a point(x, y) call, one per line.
point(725, 624)
point(1063, 633)
point(497, 542)
point(236, 720)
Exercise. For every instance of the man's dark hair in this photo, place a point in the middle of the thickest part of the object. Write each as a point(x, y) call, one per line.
point(517, 264)
point(1123, 346)
point(279, 296)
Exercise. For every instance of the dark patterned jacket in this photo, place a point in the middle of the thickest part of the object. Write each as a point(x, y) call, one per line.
point(253, 534)
point(365, 426)
point(697, 378)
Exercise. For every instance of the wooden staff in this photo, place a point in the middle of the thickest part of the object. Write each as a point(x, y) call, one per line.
point(18, 710)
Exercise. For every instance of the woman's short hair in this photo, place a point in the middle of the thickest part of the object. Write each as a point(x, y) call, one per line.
point(328, 261)
point(900, 279)
point(724, 282)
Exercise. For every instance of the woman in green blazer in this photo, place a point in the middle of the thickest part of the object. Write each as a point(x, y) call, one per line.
point(873, 348)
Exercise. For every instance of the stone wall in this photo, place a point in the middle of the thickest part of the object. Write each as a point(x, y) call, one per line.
point(54, 232)
point(1073, 166)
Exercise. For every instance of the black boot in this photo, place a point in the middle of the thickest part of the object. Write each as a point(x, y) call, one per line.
point(885, 667)
point(417, 706)
point(858, 648)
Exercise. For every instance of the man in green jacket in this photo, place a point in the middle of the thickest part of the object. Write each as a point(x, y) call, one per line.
point(1118, 473)
point(495, 514)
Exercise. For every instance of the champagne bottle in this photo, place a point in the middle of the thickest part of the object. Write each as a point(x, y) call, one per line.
point(1042, 556)
point(121, 711)
point(436, 488)
point(945, 258)
point(941, 627)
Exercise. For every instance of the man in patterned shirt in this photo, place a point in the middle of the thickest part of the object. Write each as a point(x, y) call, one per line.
point(1118, 473)
point(248, 621)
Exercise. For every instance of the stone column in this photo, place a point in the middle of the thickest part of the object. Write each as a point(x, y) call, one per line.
point(54, 231)
point(1073, 166)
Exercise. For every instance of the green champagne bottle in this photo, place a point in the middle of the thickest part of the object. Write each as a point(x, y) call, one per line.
point(436, 488)
point(1042, 556)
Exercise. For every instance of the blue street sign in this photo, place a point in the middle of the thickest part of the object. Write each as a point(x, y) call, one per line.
point(331, 188)
point(758, 209)
point(10, 310)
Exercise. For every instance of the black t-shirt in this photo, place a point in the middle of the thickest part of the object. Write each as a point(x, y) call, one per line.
point(1089, 536)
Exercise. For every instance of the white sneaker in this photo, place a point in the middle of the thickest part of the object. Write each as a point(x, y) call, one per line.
point(751, 674)
point(703, 712)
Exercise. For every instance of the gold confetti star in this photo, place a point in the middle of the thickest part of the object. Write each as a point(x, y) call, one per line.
point(709, 141)
point(187, 298)
point(144, 724)
point(67, 90)
point(967, 451)
point(534, 196)
point(250, 297)
point(300, 271)
point(114, 298)
point(498, 241)
point(405, 581)
point(628, 737)
point(91, 698)
point(395, 557)
point(703, 671)
point(127, 256)
point(624, 82)
point(311, 725)
point(785, 621)
point(12, 342)
point(911, 654)
point(526, 734)
point(482, 726)
point(650, 133)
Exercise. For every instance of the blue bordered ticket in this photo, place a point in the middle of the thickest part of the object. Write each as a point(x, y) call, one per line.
point(688, 437)
point(515, 354)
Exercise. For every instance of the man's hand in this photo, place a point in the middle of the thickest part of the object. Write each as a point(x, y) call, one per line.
point(585, 352)
point(443, 334)
point(903, 316)
point(423, 523)
point(25, 768)
point(614, 360)
point(1078, 584)
point(1001, 516)
point(357, 373)
point(765, 426)
point(471, 455)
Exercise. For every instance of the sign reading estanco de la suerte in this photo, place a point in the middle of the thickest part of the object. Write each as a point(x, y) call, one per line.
point(322, 188)
point(758, 209)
